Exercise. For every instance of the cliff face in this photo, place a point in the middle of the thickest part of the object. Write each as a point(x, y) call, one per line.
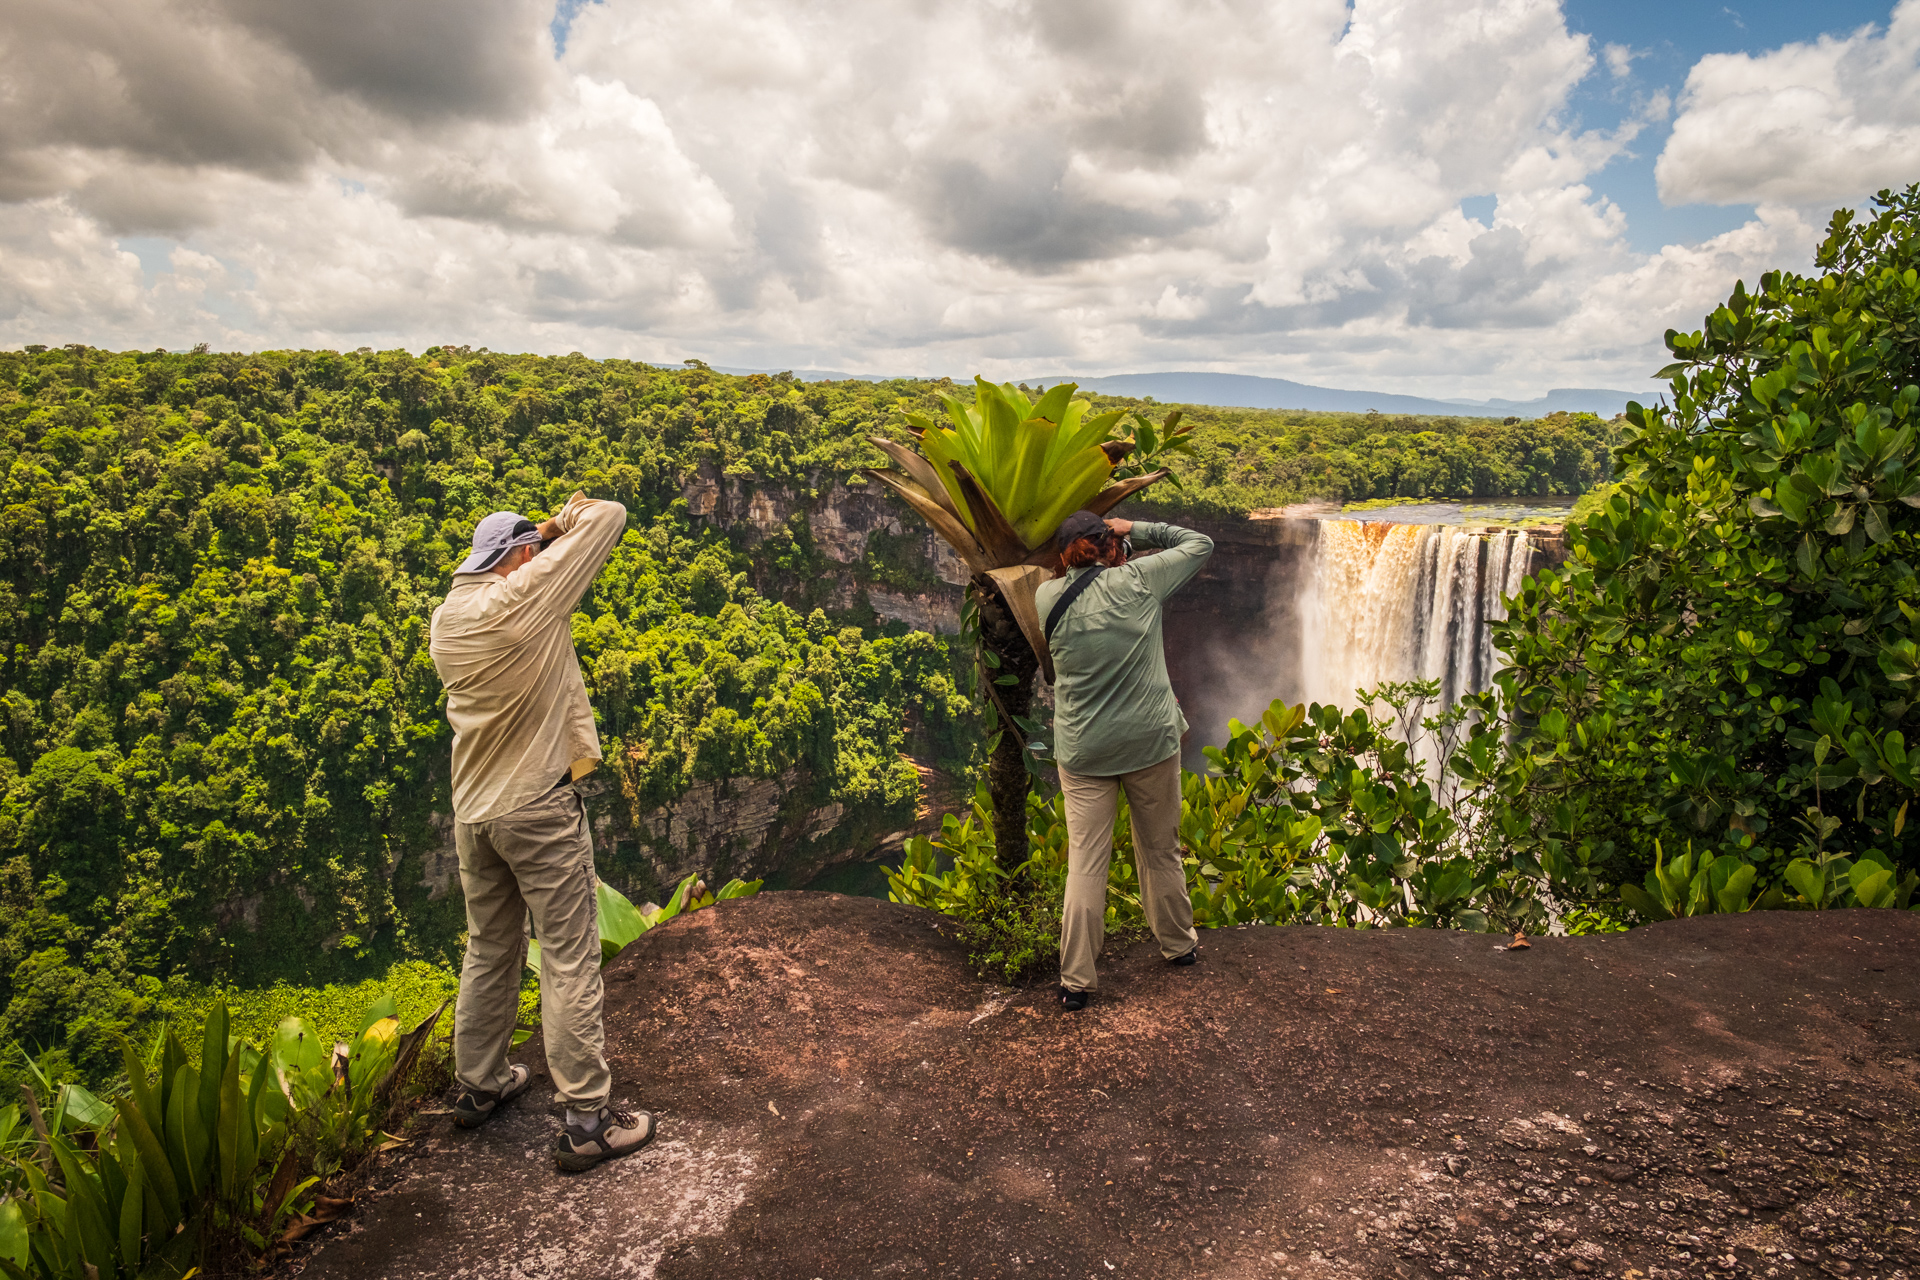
point(869, 553)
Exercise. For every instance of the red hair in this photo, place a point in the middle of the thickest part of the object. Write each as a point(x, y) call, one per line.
point(1082, 552)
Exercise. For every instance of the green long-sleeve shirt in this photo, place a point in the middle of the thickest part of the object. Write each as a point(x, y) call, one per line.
point(1113, 707)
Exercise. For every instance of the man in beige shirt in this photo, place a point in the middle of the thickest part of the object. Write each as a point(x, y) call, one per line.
point(523, 732)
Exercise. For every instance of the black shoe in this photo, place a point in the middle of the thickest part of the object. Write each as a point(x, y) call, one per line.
point(1191, 957)
point(1074, 1001)
point(472, 1107)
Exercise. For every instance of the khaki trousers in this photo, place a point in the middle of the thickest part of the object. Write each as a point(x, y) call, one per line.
point(1153, 797)
point(539, 860)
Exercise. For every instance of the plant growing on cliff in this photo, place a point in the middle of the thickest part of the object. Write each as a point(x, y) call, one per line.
point(996, 484)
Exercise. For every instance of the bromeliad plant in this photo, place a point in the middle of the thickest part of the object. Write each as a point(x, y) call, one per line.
point(227, 1149)
point(995, 482)
point(187, 1155)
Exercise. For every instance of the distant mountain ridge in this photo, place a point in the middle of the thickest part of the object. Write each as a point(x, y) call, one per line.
point(1249, 392)
point(1246, 391)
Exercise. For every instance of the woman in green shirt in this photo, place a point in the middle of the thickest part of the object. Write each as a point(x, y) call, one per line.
point(1117, 726)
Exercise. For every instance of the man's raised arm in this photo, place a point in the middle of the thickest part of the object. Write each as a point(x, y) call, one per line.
point(584, 533)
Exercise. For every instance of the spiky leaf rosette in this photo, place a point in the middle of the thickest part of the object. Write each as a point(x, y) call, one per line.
point(999, 480)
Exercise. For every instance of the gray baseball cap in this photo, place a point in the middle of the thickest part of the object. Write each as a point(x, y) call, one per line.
point(496, 535)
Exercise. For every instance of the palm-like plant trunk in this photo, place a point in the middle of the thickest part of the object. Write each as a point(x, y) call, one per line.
point(1007, 778)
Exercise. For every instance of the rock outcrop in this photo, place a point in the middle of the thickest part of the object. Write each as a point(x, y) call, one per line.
point(841, 522)
point(1733, 1095)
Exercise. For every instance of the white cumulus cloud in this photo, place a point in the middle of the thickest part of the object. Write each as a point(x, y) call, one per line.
point(1009, 186)
point(1806, 124)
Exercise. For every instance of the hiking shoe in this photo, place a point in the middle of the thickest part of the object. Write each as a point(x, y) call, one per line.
point(1191, 957)
point(619, 1133)
point(473, 1106)
point(1073, 1001)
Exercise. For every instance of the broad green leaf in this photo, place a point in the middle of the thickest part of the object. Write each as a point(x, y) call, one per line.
point(1052, 406)
point(1876, 523)
point(260, 1116)
point(188, 1138)
point(1791, 500)
point(999, 439)
point(379, 1011)
point(213, 1061)
point(13, 1232)
point(1072, 485)
point(1644, 903)
point(133, 1205)
point(299, 1059)
point(1027, 472)
point(155, 1161)
point(96, 1238)
point(1732, 896)
point(228, 1118)
point(1808, 558)
point(620, 920)
point(82, 1107)
point(1807, 880)
point(1873, 885)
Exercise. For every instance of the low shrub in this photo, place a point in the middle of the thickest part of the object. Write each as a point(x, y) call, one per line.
point(1379, 817)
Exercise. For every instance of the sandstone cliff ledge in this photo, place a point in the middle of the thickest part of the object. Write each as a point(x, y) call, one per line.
point(1733, 1095)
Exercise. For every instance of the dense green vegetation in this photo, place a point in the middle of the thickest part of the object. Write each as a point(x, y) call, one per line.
point(213, 1166)
point(1728, 658)
point(223, 746)
point(1706, 705)
point(1244, 459)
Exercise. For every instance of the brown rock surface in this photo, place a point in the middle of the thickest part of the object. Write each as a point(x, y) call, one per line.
point(1733, 1095)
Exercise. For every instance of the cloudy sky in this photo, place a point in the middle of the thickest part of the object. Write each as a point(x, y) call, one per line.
point(1434, 196)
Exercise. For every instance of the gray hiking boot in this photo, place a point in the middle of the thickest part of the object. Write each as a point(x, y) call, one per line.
point(617, 1133)
point(473, 1106)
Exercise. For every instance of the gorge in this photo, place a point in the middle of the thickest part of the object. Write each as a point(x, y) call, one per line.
point(224, 752)
point(1301, 603)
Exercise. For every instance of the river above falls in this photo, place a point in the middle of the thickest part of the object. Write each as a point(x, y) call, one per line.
point(1549, 510)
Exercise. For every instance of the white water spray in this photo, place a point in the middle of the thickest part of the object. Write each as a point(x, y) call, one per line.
point(1404, 602)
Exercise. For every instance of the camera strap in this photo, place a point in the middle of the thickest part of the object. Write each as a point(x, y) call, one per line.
point(1068, 596)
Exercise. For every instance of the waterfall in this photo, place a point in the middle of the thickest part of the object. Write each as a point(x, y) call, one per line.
point(1404, 602)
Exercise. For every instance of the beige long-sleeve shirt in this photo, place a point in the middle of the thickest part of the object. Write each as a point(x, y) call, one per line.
point(504, 649)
